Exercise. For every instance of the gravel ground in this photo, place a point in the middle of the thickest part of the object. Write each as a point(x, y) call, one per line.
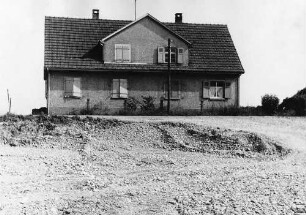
point(151, 167)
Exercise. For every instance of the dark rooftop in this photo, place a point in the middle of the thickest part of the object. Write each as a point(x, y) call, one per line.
point(68, 40)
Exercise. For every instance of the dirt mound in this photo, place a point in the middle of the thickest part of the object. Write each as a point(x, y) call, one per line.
point(101, 134)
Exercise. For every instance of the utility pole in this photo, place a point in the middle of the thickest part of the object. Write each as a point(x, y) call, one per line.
point(169, 76)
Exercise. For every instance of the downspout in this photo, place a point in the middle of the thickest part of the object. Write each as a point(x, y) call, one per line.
point(238, 91)
point(48, 97)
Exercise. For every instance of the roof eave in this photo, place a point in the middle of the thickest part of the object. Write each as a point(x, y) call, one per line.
point(192, 70)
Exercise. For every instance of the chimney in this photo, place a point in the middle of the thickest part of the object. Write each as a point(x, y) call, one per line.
point(178, 18)
point(95, 14)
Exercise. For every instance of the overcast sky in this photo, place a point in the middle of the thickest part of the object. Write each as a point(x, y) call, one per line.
point(269, 36)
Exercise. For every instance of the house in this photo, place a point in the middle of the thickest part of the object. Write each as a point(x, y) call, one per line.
point(100, 63)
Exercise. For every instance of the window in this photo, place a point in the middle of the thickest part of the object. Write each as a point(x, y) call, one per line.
point(172, 55)
point(72, 87)
point(176, 55)
point(216, 89)
point(122, 53)
point(119, 88)
point(175, 92)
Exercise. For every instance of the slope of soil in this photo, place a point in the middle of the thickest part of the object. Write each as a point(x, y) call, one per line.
point(99, 166)
point(76, 133)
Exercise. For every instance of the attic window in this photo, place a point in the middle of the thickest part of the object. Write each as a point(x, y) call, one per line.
point(172, 55)
point(123, 53)
point(176, 55)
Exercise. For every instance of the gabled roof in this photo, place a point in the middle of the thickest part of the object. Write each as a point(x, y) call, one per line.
point(73, 44)
point(138, 20)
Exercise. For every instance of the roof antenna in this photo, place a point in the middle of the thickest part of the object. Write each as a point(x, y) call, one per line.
point(135, 9)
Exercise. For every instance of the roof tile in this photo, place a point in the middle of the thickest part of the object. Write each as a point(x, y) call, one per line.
point(67, 40)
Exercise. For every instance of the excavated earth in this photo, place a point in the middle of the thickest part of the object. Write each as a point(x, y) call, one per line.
point(61, 165)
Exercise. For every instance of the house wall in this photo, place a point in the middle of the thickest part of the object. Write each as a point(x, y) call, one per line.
point(144, 37)
point(97, 88)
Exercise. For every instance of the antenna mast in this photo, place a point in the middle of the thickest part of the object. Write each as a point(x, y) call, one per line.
point(135, 9)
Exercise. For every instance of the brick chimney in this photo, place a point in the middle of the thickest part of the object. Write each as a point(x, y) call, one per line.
point(95, 14)
point(178, 18)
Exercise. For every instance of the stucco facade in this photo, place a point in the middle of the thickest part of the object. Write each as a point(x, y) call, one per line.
point(96, 90)
point(101, 64)
point(144, 37)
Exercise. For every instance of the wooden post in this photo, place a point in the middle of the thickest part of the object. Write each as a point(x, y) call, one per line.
point(9, 101)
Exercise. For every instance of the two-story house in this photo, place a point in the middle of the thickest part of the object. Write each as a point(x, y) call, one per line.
point(103, 62)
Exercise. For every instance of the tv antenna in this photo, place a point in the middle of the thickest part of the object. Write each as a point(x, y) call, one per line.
point(135, 9)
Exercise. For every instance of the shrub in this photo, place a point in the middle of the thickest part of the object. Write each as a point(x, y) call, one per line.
point(147, 105)
point(131, 104)
point(293, 106)
point(269, 104)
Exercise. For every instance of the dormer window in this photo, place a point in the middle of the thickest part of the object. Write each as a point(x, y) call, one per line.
point(123, 53)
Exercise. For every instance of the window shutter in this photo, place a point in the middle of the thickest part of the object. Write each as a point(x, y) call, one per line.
point(180, 55)
point(115, 93)
point(123, 88)
point(118, 53)
point(228, 90)
point(160, 54)
point(126, 53)
point(68, 86)
point(76, 87)
point(205, 89)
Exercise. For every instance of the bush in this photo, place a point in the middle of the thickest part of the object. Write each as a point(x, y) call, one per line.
point(147, 105)
point(131, 104)
point(294, 106)
point(269, 104)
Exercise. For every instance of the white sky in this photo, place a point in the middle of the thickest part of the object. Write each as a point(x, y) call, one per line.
point(269, 36)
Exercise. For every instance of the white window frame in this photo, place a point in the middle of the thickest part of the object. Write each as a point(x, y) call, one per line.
point(173, 51)
point(122, 46)
point(122, 91)
point(75, 88)
point(226, 89)
point(216, 87)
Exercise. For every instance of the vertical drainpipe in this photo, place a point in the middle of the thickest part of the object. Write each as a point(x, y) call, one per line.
point(238, 91)
point(48, 98)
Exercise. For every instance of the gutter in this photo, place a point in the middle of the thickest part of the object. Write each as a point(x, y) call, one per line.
point(142, 70)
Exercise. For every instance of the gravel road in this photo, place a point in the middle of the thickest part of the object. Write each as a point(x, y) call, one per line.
point(124, 169)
